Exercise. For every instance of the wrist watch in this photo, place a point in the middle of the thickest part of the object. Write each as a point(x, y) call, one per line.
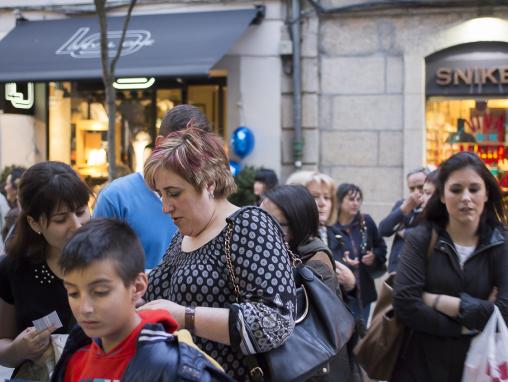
point(190, 318)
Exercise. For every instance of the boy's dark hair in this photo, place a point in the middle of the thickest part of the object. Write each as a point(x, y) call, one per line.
point(268, 177)
point(300, 209)
point(105, 239)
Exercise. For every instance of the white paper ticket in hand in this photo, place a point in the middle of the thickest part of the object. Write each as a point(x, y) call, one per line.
point(51, 320)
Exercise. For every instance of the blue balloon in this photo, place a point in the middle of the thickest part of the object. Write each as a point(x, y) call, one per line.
point(242, 141)
point(235, 167)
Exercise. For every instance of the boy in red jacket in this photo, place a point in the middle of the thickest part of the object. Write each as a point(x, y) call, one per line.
point(102, 267)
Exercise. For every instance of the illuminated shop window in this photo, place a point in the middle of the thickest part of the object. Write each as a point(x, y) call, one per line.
point(78, 120)
point(477, 125)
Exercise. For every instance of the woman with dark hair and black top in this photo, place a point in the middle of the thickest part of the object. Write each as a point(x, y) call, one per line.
point(445, 295)
point(295, 209)
point(322, 188)
point(54, 203)
point(360, 246)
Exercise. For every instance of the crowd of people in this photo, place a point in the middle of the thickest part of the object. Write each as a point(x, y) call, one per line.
point(178, 254)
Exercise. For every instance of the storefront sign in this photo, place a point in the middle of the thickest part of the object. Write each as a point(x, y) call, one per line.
point(163, 45)
point(469, 69)
point(84, 45)
point(478, 76)
point(17, 98)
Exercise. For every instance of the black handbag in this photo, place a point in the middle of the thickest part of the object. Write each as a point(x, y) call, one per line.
point(323, 325)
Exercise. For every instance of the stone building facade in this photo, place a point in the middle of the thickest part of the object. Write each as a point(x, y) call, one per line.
point(363, 84)
point(364, 89)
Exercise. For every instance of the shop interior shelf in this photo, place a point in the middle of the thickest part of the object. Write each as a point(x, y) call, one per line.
point(490, 143)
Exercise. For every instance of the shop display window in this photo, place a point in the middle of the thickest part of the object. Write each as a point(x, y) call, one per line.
point(78, 122)
point(477, 125)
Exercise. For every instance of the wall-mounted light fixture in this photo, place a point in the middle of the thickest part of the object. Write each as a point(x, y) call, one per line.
point(133, 83)
point(481, 29)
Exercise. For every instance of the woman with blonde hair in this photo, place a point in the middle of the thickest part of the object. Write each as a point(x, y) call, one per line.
point(190, 171)
point(322, 188)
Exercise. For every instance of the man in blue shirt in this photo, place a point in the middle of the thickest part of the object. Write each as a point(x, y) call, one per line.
point(129, 199)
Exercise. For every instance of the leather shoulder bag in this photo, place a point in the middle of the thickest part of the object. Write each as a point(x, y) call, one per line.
point(378, 350)
point(323, 325)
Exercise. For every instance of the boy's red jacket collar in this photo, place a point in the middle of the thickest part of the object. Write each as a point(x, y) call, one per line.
point(159, 316)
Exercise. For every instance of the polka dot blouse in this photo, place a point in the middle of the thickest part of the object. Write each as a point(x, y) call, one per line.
point(262, 318)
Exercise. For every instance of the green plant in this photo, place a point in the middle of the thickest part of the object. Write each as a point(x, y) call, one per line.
point(244, 195)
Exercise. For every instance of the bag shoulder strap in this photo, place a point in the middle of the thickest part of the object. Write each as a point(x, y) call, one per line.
point(229, 261)
point(255, 371)
point(432, 242)
point(323, 257)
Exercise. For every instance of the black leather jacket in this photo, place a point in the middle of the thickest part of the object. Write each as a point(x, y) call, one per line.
point(391, 225)
point(159, 357)
point(435, 348)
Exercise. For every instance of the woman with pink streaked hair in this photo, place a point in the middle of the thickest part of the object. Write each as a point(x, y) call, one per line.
point(190, 171)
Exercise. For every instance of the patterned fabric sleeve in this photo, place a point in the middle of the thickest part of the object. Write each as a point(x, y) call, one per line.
point(263, 318)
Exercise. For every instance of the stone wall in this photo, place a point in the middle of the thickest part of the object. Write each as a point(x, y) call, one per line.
point(370, 98)
point(361, 125)
point(310, 101)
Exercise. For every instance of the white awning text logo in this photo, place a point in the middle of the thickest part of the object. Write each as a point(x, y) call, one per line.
point(82, 46)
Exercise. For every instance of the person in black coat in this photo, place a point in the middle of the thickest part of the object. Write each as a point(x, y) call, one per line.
point(403, 215)
point(448, 296)
point(356, 241)
point(295, 209)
